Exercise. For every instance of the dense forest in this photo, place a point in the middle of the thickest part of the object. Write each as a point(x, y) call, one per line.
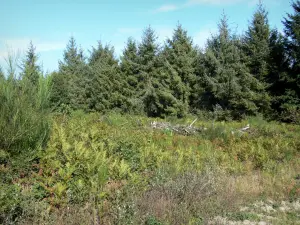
point(256, 73)
point(62, 143)
point(242, 75)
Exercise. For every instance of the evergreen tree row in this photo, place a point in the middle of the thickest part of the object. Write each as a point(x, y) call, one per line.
point(254, 73)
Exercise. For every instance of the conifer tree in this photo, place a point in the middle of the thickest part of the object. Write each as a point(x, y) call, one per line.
point(257, 43)
point(180, 55)
point(69, 83)
point(226, 79)
point(148, 50)
point(292, 32)
point(59, 96)
point(198, 90)
point(153, 79)
point(73, 56)
point(106, 88)
point(129, 65)
point(31, 71)
point(148, 84)
point(291, 104)
point(130, 70)
point(278, 71)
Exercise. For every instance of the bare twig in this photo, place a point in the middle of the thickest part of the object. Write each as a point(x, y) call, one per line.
point(193, 122)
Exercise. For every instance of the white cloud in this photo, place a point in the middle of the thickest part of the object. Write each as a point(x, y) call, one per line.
point(167, 8)
point(22, 45)
point(50, 46)
point(19, 46)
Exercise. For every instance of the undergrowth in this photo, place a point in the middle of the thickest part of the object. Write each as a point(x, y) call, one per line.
point(115, 169)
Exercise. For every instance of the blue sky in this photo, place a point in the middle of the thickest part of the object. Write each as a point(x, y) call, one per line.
point(50, 23)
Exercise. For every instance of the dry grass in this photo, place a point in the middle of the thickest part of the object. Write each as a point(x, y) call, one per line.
point(206, 195)
point(184, 199)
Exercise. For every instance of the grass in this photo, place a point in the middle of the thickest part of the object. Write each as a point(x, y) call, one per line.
point(115, 169)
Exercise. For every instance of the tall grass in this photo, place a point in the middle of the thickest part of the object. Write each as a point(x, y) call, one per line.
point(115, 169)
point(24, 120)
point(24, 130)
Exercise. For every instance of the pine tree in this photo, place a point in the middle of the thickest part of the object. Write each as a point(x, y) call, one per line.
point(148, 84)
point(130, 70)
point(59, 93)
point(73, 56)
point(129, 65)
point(167, 87)
point(291, 105)
point(257, 43)
point(180, 55)
point(69, 83)
point(31, 71)
point(106, 88)
point(198, 91)
point(278, 70)
point(292, 31)
point(153, 79)
point(147, 53)
point(226, 79)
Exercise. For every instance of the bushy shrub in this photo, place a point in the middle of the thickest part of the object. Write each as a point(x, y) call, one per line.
point(24, 120)
point(24, 129)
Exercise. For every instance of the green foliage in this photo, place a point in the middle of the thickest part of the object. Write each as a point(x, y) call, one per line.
point(31, 71)
point(24, 119)
point(24, 129)
point(59, 93)
point(9, 202)
point(256, 73)
point(69, 84)
point(110, 161)
point(179, 55)
point(152, 221)
point(1, 74)
point(73, 171)
point(277, 78)
point(107, 89)
point(149, 88)
point(115, 169)
point(226, 79)
point(292, 31)
point(257, 43)
point(129, 65)
point(241, 216)
point(291, 98)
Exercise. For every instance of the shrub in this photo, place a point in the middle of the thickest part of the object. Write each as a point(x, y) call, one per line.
point(24, 129)
point(24, 120)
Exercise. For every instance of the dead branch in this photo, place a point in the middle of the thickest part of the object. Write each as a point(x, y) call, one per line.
point(179, 129)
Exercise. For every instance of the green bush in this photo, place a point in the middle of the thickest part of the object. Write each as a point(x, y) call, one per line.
point(24, 122)
point(24, 130)
point(152, 221)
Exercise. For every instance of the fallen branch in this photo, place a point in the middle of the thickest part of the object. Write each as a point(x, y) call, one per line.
point(193, 122)
point(245, 128)
point(242, 130)
point(179, 129)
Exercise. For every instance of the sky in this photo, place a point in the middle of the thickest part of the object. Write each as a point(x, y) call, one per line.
point(50, 23)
